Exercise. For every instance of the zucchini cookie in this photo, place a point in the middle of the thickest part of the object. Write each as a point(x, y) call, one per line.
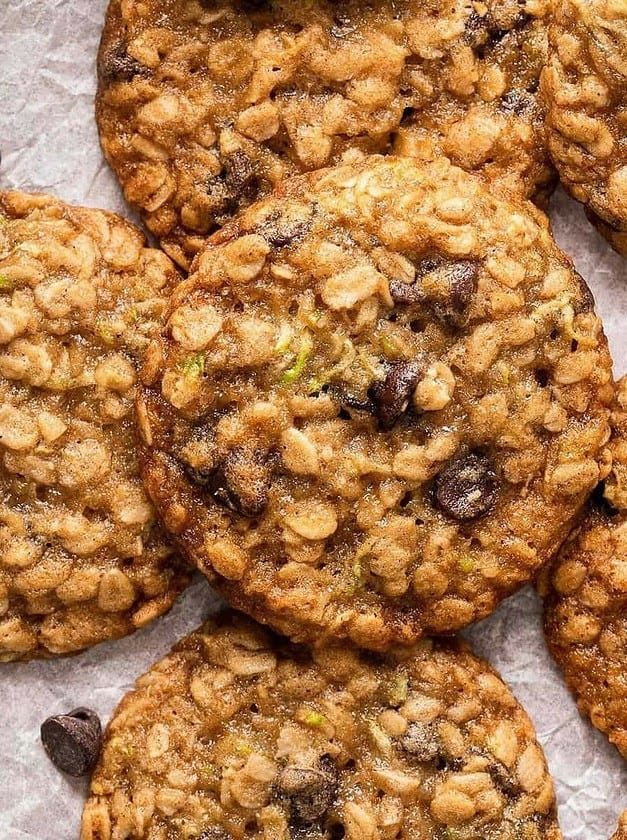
point(204, 107)
point(621, 834)
point(236, 734)
point(378, 403)
point(585, 87)
point(81, 557)
point(586, 609)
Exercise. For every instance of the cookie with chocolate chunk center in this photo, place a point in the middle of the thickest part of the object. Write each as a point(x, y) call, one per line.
point(379, 402)
point(238, 734)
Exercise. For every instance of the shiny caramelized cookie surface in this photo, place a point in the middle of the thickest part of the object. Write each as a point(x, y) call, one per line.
point(237, 734)
point(379, 401)
point(585, 88)
point(586, 608)
point(204, 107)
point(81, 557)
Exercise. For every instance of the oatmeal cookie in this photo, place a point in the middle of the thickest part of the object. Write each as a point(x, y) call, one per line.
point(238, 734)
point(378, 403)
point(81, 557)
point(585, 87)
point(204, 107)
point(586, 608)
point(621, 834)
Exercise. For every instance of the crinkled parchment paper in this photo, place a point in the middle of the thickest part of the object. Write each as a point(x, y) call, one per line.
point(48, 142)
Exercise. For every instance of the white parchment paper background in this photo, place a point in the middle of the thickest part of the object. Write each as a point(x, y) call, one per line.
point(48, 142)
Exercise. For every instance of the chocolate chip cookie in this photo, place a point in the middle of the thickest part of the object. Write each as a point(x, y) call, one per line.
point(238, 734)
point(586, 608)
point(379, 401)
point(203, 107)
point(81, 557)
point(585, 87)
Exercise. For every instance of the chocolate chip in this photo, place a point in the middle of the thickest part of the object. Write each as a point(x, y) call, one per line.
point(116, 65)
point(237, 181)
point(489, 30)
point(309, 791)
point(462, 279)
point(426, 266)
point(406, 293)
point(72, 742)
point(522, 20)
point(281, 229)
point(421, 741)
point(242, 481)
point(240, 172)
point(585, 301)
point(346, 399)
point(503, 778)
point(518, 102)
point(446, 287)
point(214, 833)
point(468, 487)
point(475, 30)
point(392, 396)
point(449, 289)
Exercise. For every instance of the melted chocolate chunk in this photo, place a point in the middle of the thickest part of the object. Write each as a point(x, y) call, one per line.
point(447, 288)
point(348, 400)
point(240, 173)
point(238, 181)
point(309, 791)
point(392, 396)
point(281, 229)
point(467, 488)
point(518, 102)
point(117, 65)
point(406, 293)
point(504, 778)
point(242, 482)
point(476, 29)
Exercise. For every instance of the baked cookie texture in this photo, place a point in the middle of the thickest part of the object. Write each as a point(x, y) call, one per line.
point(238, 734)
point(81, 557)
point(204, 107)
point(586, 607)
point(621, 833)
point(379, 401)
point(585, 87)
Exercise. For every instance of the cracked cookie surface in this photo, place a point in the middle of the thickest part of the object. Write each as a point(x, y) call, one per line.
point(238, 734)
point(585, 87)
point(81, 557)
point(586, 608)
point(378, 403)
point(204, 107)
